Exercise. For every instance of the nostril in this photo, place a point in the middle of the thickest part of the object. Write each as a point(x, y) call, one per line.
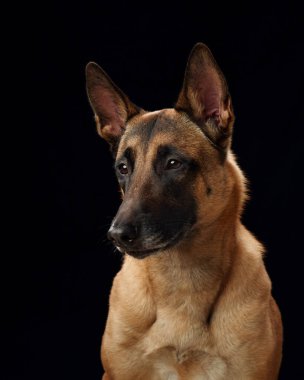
point(128, 234)
point(127, 239)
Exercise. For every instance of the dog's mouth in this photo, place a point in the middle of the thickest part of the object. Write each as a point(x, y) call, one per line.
point(142, 253)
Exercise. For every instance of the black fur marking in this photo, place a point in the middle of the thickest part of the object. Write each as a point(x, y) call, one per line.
point(164, 208)
point(169, 208)
point(144, 130)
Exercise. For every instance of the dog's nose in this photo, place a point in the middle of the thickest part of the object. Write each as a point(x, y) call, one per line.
point(123, 235)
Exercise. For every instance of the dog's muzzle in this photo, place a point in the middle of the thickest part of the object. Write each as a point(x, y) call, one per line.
point(128, 239)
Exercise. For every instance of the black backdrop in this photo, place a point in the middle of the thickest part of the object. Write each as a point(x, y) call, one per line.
point(60, 306)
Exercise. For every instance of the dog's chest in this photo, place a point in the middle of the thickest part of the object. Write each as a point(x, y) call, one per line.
point(177, 328)
point(181, 350)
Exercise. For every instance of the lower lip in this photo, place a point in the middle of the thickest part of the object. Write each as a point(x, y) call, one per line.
point(143, 254)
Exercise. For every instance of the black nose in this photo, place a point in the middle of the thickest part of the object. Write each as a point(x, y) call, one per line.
point(123, 235)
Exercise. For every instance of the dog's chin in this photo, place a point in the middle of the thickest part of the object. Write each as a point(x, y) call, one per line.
point(141, 254)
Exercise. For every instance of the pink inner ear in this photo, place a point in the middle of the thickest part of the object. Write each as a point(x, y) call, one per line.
point(212, 105)
point(109, 107)
point(210, 93)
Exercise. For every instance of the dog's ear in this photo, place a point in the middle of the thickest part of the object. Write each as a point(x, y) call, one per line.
point(205, 97)
point(111, 106)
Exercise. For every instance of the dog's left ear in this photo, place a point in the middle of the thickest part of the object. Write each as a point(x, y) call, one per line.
point(205, 97)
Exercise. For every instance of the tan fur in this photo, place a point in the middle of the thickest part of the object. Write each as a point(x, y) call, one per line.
point(202, 309)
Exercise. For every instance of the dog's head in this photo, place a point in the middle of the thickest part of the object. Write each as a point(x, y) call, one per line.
point(171, 164)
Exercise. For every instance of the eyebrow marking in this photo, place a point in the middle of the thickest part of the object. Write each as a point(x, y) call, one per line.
point(165, 150)
point(129, 154)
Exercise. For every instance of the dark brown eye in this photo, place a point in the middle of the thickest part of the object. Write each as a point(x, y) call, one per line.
point(173, 164)
point(123, 169)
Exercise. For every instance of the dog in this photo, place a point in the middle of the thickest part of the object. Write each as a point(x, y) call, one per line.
point(193, 298)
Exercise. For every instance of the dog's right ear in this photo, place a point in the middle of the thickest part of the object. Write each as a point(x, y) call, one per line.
point(111, 106)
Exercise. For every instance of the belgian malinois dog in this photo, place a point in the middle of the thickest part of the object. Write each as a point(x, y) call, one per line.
point(193, 299)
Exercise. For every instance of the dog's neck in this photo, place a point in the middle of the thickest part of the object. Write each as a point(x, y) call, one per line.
point(195, 270)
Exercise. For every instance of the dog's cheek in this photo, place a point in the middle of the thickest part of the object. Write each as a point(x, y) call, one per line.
point(212, 194)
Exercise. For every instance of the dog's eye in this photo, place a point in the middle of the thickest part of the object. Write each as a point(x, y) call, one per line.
point(123, 169)
point(172, 164)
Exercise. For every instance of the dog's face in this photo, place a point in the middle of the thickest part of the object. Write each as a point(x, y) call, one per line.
point(170, 164)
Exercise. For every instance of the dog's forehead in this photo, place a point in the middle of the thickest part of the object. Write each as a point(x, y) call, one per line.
point(147, 125)
point(149, 130)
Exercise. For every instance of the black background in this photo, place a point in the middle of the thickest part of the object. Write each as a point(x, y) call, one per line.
point(58, 309)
